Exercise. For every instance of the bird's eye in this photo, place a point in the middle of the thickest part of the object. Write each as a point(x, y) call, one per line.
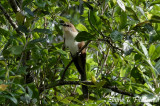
point(68, 25)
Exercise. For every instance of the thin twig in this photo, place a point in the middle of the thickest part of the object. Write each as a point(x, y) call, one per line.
point(104, 8)
point(62, 78)
point(111, 44)
point(105, 37)
point(9, 19)
point(24, 48)
point(93, 25)
point(14, 6)
point(63, 75)
point(102, 66)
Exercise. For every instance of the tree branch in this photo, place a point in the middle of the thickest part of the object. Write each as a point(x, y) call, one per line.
point(115, 89)
point(9, 19)
point(14, 6)
point(63, 75)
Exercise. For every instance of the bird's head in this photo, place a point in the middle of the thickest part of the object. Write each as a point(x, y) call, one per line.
point(68, 27)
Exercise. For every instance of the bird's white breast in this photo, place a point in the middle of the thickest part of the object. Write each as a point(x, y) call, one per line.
point(71, 43)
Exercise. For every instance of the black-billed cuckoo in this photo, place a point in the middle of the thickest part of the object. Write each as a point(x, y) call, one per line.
point(70, 32)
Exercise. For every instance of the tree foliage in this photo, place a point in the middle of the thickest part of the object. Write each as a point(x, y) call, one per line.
point(123, 52)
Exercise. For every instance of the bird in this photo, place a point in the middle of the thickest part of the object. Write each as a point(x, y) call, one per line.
point(70, 32)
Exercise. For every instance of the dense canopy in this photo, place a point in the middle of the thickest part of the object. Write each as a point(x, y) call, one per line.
point(123, 52)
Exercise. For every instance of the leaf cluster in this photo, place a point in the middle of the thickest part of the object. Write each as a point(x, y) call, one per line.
point(123, 57)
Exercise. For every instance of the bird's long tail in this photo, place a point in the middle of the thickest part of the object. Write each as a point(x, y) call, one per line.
point(80, 62)
point(84, 88)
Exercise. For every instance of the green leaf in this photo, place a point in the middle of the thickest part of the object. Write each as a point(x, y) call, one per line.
point(30, 92)
point(17, 50)
point(157, 91)
point(100, 84)
point(153, 69)
point(132, 12)
point(147, 59)
point(151, 50)
point(75, 2)
point(2, 73)
point(63, 18)
point(33, 91)
point(123, 19)
point(95, 20)
point(124, 71)
point(88, 5)
point(20, 18)
point(138, 58)
point(2, 20)
point(37, 40)
point(152, 33)
point(28, 11)
point(4, 32)
point(58, 30)
point(135, 73)
point(28, 22)
point(40, 3)
point(20, 86)
point(155, 2)
point(26, 2)
point(16, 76)
point(156, 53)
point(121, 4)
point(83, 36)
point(137, 50)
point(34, 101)
point(61, 52)
point(65, 101)
point(157, 66)
point(46, 31)
point(13, 99)
point(79, 91)
point(141, 10)
point(144, 49)
point(26, 98)
point(155, 19)
point(23, 28)
point(81, 27)
point(116, 36)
